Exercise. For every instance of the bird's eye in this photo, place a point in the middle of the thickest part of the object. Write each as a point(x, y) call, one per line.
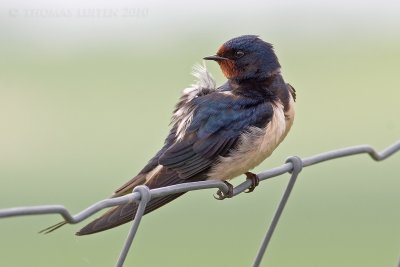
point(239, 54)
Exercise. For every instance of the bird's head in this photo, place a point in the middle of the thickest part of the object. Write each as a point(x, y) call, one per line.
point(246, 57)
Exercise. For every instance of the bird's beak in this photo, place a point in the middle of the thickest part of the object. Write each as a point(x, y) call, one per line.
point(216, 58)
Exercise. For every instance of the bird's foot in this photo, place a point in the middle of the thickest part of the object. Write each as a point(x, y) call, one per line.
point(222, 195)
point(254, 181)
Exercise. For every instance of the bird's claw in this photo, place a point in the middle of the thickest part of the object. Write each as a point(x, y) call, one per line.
point(254, 181)
point(222, 195)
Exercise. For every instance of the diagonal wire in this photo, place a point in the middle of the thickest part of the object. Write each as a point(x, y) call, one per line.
point(145, 197)
point(297, 167)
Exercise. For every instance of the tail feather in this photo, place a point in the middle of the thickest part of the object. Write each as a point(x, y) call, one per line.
point(122, 214)
point(52, 228)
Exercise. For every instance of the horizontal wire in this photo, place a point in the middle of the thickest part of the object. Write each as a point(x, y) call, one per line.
point(185, 187)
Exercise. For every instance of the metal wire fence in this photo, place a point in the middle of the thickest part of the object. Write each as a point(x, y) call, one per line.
point(142, 195)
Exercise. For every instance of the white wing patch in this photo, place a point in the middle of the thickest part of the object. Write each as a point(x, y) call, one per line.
point(183, 114)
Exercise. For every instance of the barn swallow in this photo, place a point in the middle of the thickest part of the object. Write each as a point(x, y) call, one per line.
point(217, 132)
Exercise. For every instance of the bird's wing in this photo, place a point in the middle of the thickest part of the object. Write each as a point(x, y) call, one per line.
point(218, 120)
point(214, 124)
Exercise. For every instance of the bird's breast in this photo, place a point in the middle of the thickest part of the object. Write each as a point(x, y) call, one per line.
point(255, 145)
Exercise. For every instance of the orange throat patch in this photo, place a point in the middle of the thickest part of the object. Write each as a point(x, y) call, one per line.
point(229, 69)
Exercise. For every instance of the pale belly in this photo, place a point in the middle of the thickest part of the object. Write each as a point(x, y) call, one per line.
point(255, 146)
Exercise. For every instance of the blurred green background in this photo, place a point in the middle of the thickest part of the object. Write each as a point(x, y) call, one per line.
point(85, 101)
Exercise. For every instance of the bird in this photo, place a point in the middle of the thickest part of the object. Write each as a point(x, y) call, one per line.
point(217, 133)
